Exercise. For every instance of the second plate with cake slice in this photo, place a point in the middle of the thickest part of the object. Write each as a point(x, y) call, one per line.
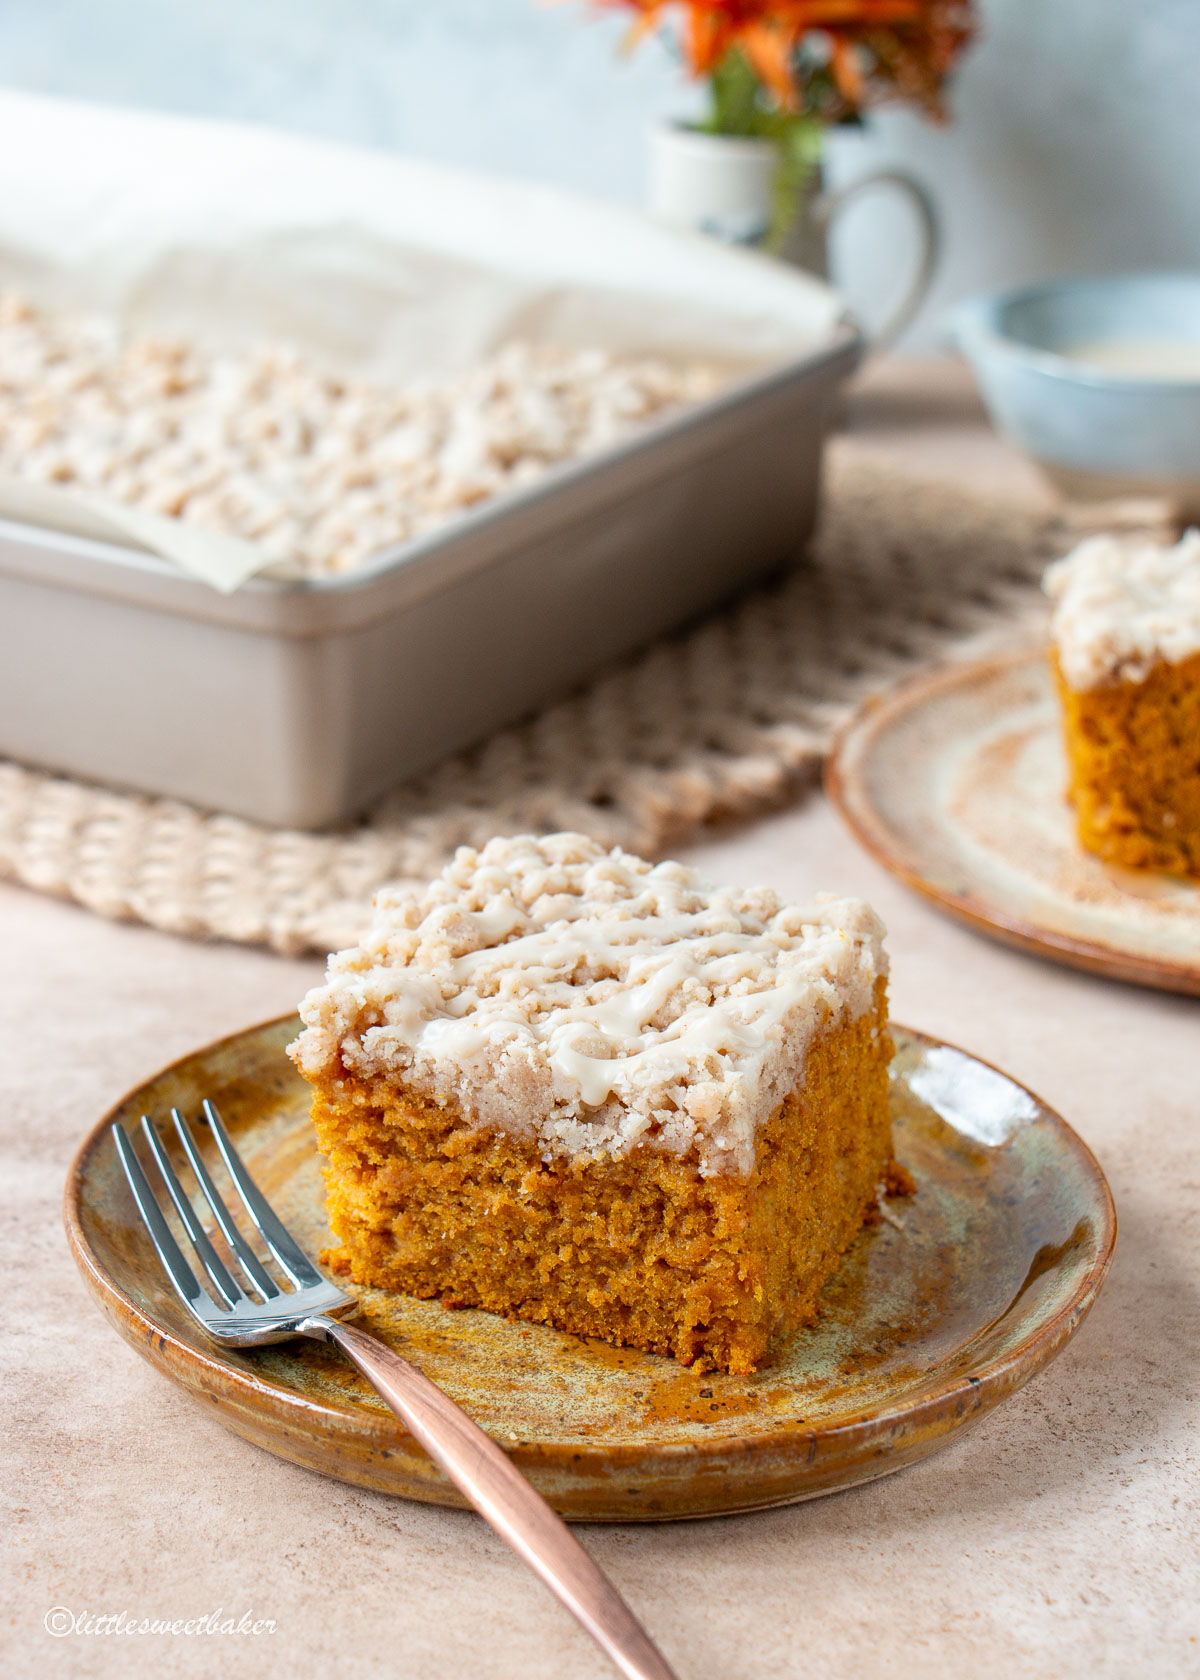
point(956, 779)
point(1051, 796)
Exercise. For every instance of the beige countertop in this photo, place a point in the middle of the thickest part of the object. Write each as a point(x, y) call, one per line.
point(1058, 1538)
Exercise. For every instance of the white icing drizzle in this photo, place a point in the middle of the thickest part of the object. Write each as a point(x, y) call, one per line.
point(600, 1002)
point(1122, 606)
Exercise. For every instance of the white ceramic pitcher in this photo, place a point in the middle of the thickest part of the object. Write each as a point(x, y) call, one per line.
point(723, 185)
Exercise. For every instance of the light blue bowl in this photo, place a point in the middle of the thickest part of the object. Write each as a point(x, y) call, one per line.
point(1096, 431)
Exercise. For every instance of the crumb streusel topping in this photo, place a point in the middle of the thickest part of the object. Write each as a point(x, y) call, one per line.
point(1122, 606)
point(550, 987)
point(317, 470)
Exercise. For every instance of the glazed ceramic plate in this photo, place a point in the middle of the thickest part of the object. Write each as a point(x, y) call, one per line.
point(955, 781)
point(948, 1305)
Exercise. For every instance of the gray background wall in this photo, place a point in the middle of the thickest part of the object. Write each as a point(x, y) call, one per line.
point(1076, 144)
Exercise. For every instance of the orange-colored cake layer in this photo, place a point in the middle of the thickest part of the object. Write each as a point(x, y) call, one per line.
point(1133, 754)
point(643, 1250)
point(568, 1085)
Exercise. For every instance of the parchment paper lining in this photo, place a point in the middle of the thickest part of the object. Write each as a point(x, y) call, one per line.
point(374, 265)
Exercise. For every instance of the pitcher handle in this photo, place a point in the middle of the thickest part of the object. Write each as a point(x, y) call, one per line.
point(826, 207)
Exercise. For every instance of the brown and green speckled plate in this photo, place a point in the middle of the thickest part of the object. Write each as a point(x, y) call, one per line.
point(938, 1312)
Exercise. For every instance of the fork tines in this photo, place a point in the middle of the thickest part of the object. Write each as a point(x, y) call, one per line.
point(252, 1283)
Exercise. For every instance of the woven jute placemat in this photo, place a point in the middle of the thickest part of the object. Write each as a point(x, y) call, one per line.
point(725, 720)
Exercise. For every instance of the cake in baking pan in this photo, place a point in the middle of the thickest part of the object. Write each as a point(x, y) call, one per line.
point(316, 468)
point(1126, 635)
point(574, 1087)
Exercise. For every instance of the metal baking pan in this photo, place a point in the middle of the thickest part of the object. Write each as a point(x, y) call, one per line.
point(300, 703)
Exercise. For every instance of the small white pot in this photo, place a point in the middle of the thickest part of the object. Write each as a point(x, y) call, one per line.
point(711, 183)
point(723, 185)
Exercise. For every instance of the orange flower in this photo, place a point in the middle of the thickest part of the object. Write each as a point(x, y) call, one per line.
point(875, 47)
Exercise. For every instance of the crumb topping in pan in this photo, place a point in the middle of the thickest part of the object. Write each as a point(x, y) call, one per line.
point(318, 470)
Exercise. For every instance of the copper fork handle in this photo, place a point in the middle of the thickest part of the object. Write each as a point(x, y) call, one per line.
point(503, 1498)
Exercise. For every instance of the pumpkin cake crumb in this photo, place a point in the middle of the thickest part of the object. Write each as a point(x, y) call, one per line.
point(1126, 661)
point(576, 1088)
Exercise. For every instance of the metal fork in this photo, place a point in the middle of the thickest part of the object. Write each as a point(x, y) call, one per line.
point(251, 1308)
